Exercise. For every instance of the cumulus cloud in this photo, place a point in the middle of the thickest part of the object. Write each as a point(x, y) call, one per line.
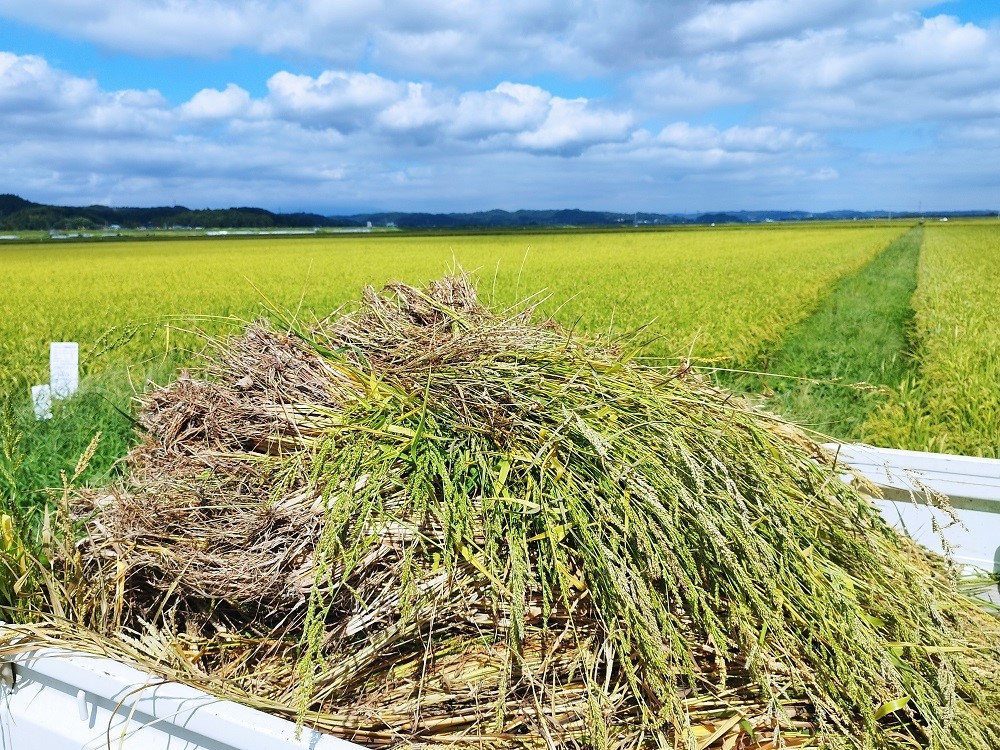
point(905, 68)
point(342, 100)
point(395, 98)
point(420, 113)
point(422, 36)
point(508, 108)
point(439, 36)
point(207, 28)
point(29, 84)
point(915, 49)
point(678, 90)
point(526, 116)
point(68, 136)
point(511, 115)
point(720, 151)
point(571, 126)
point(38, 99)
point(721, 25)
point(212, 104)
point(927, 68)
point(680, 57)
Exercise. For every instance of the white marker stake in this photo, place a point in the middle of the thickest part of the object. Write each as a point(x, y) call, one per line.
point(41, 397)
point(64, 368)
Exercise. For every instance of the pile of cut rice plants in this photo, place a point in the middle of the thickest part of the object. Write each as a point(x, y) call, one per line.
point(427, 523)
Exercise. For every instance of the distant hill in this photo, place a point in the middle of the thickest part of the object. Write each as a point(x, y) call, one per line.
point(10, 204)
point(511, 219)
point(577, 218)
point(19, 214)
point(16, 213)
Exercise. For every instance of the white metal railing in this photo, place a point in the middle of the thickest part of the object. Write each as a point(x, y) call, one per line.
point(65, 700)
point(908, 480)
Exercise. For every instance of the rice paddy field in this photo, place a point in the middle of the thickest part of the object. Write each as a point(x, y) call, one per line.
point(951, 403)
point(730, 298)
point(429, 516)
point(726, 293)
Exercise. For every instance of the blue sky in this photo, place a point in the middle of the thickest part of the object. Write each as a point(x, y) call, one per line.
point(456, 105)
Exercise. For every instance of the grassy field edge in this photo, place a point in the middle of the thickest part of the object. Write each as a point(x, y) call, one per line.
point(838, 365)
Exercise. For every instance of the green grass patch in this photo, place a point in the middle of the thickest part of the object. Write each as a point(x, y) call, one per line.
point(833, 369)
point(36, 454)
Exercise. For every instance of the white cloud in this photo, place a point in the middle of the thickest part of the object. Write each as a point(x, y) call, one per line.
point(906, 70)
point(457, 40)
point(727, 24)
point(511, 115)
point(917, 49)
point(132, 114)
point(158, 27)
point(28, 83)
point(420, 36)
point(510, 107)
point(342, 100)
point(720, 25)
point(789, 93)
point(764, 139)
point(571, 126)
point(212, 104)
point(441, 37)
point(36, 99)
point(419, 111)
point(676, 90)
point(291, 145)
point(306, 136)
point(709, 149)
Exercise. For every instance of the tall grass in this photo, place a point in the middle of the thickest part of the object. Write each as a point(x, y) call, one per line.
point(52, 447)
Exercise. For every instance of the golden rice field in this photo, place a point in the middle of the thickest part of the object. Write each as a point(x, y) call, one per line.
point(725, 293)
point(727, 296)
point(953, 403)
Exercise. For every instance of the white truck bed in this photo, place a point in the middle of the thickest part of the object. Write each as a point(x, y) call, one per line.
point(971, 485)
point(65, 700)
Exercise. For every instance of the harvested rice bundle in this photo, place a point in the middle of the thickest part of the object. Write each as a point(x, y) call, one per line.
point(424, 523)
